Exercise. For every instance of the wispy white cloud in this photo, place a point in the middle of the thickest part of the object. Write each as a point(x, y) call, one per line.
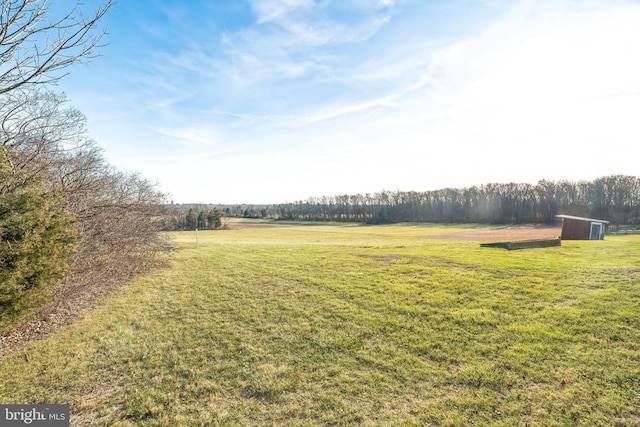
point(201, 136)
point(545, 61)
point(295, 38)
point(346, 109)
point(243, 117)
point(269, 10)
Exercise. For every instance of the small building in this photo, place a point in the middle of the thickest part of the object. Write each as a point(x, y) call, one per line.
point(579, 228)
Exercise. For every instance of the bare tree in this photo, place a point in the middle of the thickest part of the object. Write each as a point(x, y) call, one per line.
point(37, 126)
point(34, 47)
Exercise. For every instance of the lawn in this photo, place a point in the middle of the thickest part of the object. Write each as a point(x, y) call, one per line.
point(343, 324)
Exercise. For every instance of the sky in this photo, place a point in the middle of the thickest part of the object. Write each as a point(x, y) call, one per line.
point(270, 101)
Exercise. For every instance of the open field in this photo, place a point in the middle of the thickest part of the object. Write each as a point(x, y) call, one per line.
point(344, 324)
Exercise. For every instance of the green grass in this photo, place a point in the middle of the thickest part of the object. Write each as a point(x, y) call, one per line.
point(341, 324)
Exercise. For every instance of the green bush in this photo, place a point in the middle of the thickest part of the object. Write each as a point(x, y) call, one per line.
point(36, 239)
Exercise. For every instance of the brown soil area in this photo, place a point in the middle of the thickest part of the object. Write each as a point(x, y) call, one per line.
point(523, 232)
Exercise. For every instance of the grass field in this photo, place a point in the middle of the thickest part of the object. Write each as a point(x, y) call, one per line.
point(341, 324)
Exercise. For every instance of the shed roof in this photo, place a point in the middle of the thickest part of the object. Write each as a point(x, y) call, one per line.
point(580, 218)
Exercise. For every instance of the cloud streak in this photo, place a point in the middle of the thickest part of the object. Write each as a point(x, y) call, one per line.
point(270, 10)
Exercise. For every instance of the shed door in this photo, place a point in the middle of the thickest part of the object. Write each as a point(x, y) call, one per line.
point(596, 231)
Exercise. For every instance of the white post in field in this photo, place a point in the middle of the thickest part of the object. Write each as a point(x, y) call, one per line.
point(196, 237)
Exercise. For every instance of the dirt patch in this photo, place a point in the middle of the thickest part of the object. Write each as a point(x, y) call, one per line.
point(522, 232)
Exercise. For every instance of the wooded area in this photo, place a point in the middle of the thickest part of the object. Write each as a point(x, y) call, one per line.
point(67, 218)
point(615, 198)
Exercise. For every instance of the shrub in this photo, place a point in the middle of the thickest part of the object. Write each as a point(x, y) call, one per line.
point(36, 239)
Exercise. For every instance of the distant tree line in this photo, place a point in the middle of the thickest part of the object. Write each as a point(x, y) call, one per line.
point(615, 198)
point(190, 216)
point(70, 225)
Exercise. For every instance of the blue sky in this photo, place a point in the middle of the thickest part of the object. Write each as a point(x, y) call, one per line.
point(267, 101)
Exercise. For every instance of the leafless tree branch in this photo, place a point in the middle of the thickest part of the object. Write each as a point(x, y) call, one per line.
point(34, 48)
